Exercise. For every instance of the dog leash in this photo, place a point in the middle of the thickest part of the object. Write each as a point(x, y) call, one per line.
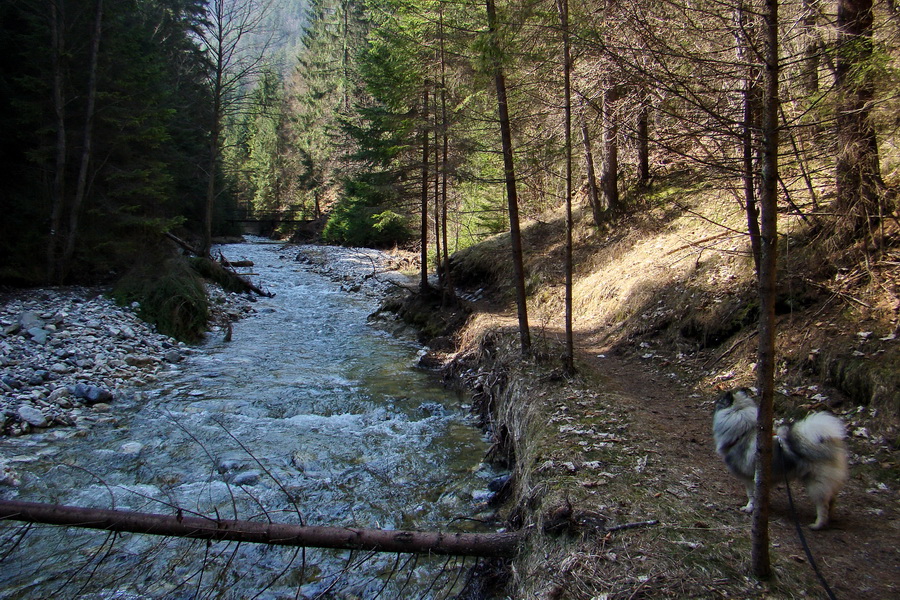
point(796, 519)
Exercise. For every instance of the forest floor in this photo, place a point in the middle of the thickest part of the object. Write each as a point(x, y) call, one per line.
point(661, 328)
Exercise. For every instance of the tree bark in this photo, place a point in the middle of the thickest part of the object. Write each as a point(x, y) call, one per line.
point(217, 46)
point(810, 66)
point(448, 293)
point(87, 145)
point(563, 8)
point(273, 534)
point(858, 173)
point(643, 139)
point(609, 175)
point(423, 280)
point(751, 105)
point(512, 198)
point(58, 190)
point(768, 278)
point(593, 189)
point(745, 37)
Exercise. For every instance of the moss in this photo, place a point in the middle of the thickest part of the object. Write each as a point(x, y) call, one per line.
point(866, 381)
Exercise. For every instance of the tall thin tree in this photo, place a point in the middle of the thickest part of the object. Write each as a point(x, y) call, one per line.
point(563, 8)
point(509, 171)
point(768, 278)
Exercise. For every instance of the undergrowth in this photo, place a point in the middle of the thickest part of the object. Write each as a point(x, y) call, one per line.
point(171, 296)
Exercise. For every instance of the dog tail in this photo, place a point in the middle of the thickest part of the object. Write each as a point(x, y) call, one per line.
point(818, 436)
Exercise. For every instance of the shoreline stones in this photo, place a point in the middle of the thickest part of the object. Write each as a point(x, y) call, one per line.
point(358, 270)
point(67, 352)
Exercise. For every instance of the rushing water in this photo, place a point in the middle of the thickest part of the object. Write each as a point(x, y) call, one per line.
point(308, 413)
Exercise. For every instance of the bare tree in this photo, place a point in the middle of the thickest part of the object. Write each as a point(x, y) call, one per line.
point(235, 42)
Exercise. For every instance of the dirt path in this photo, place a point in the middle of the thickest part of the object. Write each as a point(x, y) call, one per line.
point(858, 554)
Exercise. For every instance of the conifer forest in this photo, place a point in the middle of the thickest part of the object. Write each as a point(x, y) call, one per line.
point(675, 198)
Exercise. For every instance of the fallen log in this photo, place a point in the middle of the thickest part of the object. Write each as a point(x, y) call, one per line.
point(228, 266)
point(275, 534)
point(187, 247)
point(235, 263)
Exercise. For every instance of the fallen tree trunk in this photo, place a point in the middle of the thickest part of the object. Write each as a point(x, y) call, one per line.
point(183, 244)
point(275, 534)
point(236, 263)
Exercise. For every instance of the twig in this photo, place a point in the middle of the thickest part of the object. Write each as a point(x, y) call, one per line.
point(698, 242)
point(843, 295)
point(731, 349)
point(634, 525)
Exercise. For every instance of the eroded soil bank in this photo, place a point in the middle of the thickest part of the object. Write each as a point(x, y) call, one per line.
point(616, 480)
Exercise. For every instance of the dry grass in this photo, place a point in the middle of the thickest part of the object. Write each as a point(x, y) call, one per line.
point(667, 296)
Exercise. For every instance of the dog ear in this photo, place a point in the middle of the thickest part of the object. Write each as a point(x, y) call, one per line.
point(725, 400)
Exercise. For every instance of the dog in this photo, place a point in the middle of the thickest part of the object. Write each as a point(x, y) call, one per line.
point(811, 450)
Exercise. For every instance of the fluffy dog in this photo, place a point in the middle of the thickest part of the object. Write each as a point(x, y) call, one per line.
point(811, 450)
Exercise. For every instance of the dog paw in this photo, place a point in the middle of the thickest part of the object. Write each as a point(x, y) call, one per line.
point(818, 525)
point(748, 508)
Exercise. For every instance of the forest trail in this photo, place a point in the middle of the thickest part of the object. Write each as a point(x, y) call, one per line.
point(671, 418)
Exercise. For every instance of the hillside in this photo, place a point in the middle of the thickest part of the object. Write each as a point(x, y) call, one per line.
point(664, 318)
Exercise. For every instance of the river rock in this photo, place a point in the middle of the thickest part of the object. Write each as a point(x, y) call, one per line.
point(139, 360)
point(59, 394)
point(68, 348)
point(246, 478)
point(8, 476)
point(131, 448)
point(91, 394)
point(229, 464)
point(39, 334)
point(29, 319)
point(32, 416)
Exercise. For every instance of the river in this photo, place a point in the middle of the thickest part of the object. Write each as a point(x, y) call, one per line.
point(310, 413)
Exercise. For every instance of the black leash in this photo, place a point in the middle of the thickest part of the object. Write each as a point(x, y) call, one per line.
point(806, 549)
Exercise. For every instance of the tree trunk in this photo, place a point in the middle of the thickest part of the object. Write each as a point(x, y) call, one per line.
point(768, 278)
point(512, 198)
point(751, 106)
point(273, 534)
point(438, 255)
point(87, 145)
point(593, 189)
point(58, 190)
point(643, 140)
point(810, 66)
point(448, 293)
point(563, 7)
point(745, 37)
point(858, 173)
point(423, 280)
point(216, 125)
point(609, 175)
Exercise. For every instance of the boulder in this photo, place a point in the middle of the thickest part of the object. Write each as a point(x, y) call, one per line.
point(32, 416)
point(91, 394)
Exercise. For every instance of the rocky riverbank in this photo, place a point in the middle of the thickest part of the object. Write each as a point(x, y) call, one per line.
point(363, 270)
point(67, 355)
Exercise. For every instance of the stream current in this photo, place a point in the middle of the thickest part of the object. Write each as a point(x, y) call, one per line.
point(308, 413)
